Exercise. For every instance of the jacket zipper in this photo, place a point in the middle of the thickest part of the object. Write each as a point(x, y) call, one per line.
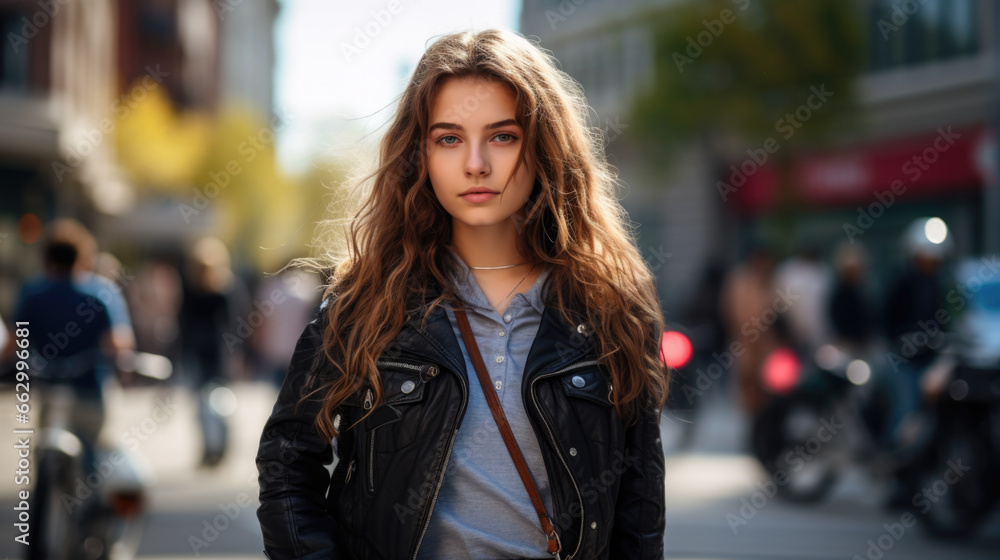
point(444, 466)
point(371, 444)
point(555, 444)
point(371, 461)
point(400, 365)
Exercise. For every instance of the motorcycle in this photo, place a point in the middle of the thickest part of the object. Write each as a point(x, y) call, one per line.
point(88, 501)
point(821, 419)
point(955, 480)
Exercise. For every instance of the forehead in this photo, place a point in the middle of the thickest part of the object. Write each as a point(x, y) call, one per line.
point(472, 100)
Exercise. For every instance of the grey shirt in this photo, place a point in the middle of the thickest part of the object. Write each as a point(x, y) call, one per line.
point(483, 509)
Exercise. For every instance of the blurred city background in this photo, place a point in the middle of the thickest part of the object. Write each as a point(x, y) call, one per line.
point(814, 184)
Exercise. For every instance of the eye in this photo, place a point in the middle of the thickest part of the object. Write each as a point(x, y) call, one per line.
point(505, 137)
point(445, 140)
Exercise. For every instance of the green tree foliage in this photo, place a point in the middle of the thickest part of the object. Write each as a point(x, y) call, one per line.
point(739, 66)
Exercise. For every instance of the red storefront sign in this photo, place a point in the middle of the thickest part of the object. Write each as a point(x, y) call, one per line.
point(947, 161)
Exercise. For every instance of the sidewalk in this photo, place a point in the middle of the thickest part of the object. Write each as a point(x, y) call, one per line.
point(158, 428)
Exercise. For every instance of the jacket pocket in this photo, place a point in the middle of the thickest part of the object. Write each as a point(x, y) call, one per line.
point(588, 403)
point(404, 385)
point(587, 384)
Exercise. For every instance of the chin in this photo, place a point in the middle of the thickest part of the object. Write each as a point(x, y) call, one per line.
point(480, 220)
point(479, 223)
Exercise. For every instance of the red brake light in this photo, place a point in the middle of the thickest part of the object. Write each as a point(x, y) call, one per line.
point(675, 349)
point(127, 505)
point(781, 371)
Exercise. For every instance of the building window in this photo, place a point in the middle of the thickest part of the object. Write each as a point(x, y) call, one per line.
point(158, 22)
point(915, 32)
point(14, 61)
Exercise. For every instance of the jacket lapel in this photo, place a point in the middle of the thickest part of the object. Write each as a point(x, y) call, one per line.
point(556, 344)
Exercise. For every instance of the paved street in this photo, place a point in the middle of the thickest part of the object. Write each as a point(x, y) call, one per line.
point(708, 488)
point(703, 486)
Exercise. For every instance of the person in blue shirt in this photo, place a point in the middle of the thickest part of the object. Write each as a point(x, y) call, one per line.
point(85, 278)
point(70, 341)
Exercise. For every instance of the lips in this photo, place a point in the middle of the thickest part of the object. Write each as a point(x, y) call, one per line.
point(477, 195)
point(477, 190)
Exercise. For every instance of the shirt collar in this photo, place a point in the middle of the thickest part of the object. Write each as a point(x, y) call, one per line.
point(468, 290)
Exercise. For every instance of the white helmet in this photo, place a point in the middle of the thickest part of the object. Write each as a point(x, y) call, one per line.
point(928, 237)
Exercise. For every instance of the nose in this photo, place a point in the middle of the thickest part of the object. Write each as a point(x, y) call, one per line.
point(477, 163)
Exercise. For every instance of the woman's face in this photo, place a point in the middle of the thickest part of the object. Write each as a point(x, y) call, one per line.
point(472, 143)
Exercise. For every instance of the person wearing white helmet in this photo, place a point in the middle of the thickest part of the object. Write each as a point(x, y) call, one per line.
point(911, 318)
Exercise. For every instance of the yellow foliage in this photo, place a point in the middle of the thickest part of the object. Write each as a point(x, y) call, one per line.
point(224, 165)
point(156, 147)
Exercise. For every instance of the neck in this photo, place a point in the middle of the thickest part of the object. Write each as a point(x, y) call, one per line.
point(487, 246)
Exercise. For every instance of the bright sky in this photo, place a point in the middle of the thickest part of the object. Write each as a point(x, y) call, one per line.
point(340, 65)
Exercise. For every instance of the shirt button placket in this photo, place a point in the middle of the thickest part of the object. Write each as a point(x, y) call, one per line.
point(499, 359)
point(498, 383)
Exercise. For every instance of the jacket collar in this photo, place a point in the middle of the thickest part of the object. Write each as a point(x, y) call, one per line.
point(556, 343)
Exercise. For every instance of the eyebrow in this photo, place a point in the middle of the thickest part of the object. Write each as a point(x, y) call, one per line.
point(492, 126)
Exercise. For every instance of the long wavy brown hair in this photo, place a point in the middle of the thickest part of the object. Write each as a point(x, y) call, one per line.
point(395, 250)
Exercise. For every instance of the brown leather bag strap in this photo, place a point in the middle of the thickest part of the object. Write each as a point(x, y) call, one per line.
point(554, 545)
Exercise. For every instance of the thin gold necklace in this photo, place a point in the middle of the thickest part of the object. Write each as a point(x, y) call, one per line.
point(496, 267)
point(504, 300)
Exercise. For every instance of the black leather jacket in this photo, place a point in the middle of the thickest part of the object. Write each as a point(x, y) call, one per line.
point(606, 479)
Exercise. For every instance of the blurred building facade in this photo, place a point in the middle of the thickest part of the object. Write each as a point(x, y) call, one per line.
point(57, 83)
point(928, 101)
point(176, 41)
point(608, 47)
point(248, 55)
point(221, 57)
point(72, 73)
point(931, 73)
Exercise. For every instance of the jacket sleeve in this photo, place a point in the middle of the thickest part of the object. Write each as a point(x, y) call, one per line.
point(294, 516)
point(638, 531)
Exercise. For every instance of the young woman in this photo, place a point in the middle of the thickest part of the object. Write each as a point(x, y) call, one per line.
point(491, 244)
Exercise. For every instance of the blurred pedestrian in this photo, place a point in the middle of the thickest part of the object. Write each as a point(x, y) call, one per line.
point(704, 314)
point(207, 316)
point(491, 223)
point(71, 342)
point(155, 296)
point(808, 282)
point(291, 295)
point(747, 295)
point(87, 279)
point(70, 232)
point(71, 339)
point(849, 307)
point(911, 324)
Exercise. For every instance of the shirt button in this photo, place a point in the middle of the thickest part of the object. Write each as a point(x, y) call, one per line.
point(408, 386)
point(506, 318)
point(498, 385)
point(501, 333)
point(578, 381)
point(572, 451)
point(499, 359)
point(593, 524)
